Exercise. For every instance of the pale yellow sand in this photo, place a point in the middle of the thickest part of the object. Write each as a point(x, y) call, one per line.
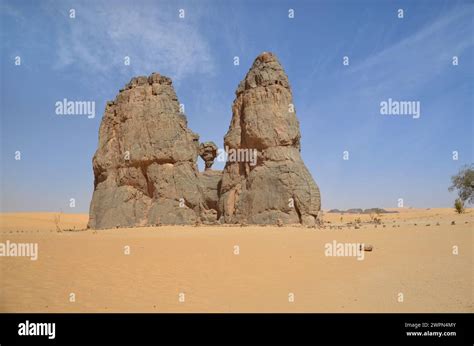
point(417, 261)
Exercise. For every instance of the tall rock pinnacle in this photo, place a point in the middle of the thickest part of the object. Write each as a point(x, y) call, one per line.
point(277, 185)
point(145, 170)
point(145, 166)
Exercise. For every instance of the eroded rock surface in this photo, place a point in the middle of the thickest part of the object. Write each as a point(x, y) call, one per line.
point(210, 182)
point(279, 187)
point(208, 152)
point(145, 165)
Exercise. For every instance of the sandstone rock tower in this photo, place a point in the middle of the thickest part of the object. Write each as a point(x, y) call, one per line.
point(145, 170)
point(279, 188)
point(145, 165)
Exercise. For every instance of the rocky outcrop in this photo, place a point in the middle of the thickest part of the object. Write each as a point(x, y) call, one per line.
point(145, 170)
point(210, 182)
point(208, 152)
point(277, 186)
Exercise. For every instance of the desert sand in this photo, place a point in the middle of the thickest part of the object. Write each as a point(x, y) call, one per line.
point(412, 254)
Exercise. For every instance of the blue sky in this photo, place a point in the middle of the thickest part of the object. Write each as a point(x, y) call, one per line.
point(390, 157)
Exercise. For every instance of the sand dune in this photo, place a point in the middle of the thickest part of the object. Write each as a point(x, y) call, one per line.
point(273, 264)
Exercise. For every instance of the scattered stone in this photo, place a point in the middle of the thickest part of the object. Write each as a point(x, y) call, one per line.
point(453, 223)
point(367, 247)
point(362, 211)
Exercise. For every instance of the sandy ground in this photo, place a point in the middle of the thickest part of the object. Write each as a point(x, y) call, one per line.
point(412, 254)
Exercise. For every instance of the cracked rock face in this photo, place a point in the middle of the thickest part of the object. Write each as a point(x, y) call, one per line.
point(145, 166)
point(208, 152)
point(145, 170)
point(279, 187)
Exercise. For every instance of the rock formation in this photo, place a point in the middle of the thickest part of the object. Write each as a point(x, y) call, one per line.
point(145, 165)
point(210, 183)
point(208, 152)
point(145, 170)
point(278, 186)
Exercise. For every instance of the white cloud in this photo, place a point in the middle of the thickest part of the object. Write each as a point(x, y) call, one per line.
point(151, 34)
point(411, 63)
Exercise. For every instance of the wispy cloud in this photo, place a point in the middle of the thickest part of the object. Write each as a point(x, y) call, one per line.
point(9, 10)
point(412, 62)
point(152, 35)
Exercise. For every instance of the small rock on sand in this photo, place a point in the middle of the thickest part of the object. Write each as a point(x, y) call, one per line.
point(367, 247)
